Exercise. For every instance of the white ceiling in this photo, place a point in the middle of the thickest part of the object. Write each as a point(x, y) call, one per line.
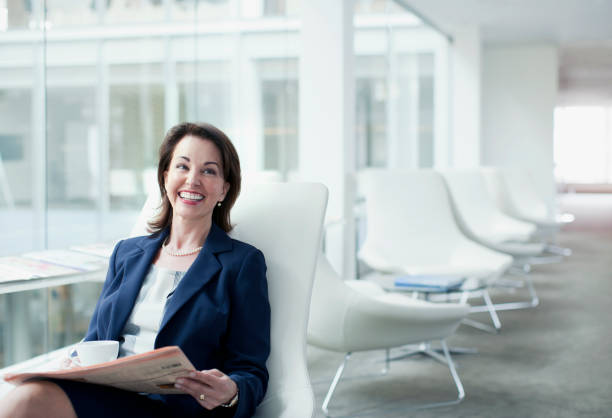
point(581, 28)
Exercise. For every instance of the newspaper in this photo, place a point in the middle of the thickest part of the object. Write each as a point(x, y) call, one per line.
point(151, 372)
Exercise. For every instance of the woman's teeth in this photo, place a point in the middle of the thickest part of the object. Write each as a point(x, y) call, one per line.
point(190, 196)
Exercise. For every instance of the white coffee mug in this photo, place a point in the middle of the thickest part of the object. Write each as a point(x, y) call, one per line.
point(95, 352)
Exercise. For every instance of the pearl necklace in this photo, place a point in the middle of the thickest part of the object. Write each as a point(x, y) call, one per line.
point(179, 253)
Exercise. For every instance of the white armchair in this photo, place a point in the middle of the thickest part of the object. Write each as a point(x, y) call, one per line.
point(285, 220)
point(479, 215)
point(411, 229)
point(357, 315)
point(514, 193)
point(482, 221)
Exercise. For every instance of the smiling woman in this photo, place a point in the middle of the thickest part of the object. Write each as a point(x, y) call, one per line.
point(165, 289)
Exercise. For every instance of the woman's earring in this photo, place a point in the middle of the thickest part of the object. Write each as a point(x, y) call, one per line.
point(218, 203)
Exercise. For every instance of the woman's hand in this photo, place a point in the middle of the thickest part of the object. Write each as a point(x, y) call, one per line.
point(210, 388)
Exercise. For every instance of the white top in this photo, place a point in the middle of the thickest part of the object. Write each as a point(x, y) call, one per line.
point(143, 324)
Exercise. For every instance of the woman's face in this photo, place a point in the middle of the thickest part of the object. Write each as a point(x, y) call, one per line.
point(194, 180)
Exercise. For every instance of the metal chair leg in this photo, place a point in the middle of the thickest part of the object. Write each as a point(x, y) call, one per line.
point(332, 388)
point(447, 359)
point(508, 306)
point(385, 370)
point(492, 309)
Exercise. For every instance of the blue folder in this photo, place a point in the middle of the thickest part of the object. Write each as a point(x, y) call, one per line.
point(439, 283)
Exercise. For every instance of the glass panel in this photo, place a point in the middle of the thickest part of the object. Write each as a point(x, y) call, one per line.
point(396, 74)
point(207, 96)
point(22, 221)
point(136, 122)
point(82, 116)
point(279, 94)
point(129, 11)
point(62, 13)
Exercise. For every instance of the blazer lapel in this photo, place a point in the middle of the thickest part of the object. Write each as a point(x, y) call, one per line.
point(136, 268)
point(203, 269)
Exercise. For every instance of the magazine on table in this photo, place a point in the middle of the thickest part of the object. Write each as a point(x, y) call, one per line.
point(151, 372)
point(22, 268)
point(71, 259)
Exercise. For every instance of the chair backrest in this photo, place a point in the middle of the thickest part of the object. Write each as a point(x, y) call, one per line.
point(514, 194)
point(477, 211)
point(284, 220)
point(409, 216)
point(148, 211)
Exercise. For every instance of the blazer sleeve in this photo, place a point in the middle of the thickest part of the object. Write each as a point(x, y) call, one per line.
point(248, 336)
point(92, 332)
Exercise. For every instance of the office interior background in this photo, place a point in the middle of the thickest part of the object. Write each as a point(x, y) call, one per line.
point(308, 90)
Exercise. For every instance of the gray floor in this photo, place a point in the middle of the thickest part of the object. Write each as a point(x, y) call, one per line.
point(551, 361)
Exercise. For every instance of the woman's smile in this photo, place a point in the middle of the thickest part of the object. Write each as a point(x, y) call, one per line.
point(190, 197)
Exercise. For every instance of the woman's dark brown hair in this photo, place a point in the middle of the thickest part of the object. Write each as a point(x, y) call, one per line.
point(231, 172)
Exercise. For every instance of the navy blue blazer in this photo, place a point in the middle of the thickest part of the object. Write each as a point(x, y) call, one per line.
point(219, 313)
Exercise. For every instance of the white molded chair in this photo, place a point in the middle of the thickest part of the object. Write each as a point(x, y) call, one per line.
point(514, 194)
point(285, 221)
point(478, 213)
point(358, 315)
point(481, 220)
point(411, 229)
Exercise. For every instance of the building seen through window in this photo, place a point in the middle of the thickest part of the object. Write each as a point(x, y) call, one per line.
point(89, 88)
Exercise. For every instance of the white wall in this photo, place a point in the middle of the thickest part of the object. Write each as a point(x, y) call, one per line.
point(519, 92)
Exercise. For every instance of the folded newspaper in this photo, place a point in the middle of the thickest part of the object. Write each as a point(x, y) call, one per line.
point(430, 282)
point(151, 372)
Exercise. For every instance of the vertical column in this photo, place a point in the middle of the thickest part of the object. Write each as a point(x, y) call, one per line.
point(171, 94)
point(327, 114)
point(102, 122)
point(466, 98)
point(442, 114)
point(101, 135)
point(39, 132)
point(246, 106)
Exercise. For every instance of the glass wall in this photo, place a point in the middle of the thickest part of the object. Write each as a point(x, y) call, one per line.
point(87, 92)
point(89, 88)
point(400, 71)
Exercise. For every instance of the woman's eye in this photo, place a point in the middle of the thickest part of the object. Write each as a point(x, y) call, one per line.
point(209, 171)
point(181, 166)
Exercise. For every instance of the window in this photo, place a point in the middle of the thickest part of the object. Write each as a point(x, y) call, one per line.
point(583, 144)
point(84, 106)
